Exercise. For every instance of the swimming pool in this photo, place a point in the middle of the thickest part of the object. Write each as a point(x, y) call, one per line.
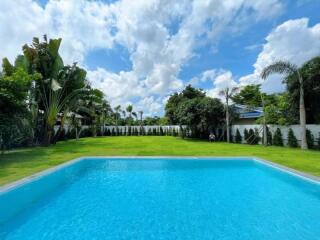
point(162, 198)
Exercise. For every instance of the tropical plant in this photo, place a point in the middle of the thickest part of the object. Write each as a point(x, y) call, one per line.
point(227, 93)
point(287, 68)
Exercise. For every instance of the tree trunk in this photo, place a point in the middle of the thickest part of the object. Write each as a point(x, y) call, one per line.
point(76, 133)
point(227, 120)
point(265, 141)
point(302, 111)
point(47, 136)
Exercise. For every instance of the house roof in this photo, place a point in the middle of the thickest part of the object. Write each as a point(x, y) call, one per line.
point(249, 112)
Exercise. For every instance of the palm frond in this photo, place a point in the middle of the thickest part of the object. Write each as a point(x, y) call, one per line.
point(281, 67)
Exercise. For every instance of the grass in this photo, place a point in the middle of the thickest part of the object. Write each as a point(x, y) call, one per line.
point(21, 163)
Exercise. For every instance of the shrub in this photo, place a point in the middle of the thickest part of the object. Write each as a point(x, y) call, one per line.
point(292, 140)
point(113, 132)
point(85, 132)
point(238, 137)
point(161, 131)
point(246, 135)
point(154, 131)
point(269, 137)
point(129, 131)
point(253, 136)
point(310, 139)
point(277, 138)
point(182, 132)
point(174, 133)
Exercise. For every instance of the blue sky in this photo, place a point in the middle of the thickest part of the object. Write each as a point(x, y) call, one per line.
point(139, 52)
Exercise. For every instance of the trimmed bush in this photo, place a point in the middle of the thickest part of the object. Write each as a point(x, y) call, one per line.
point(246, 135)
point(182, 132)
point(161, 131)
point(292, 140)
point(310, 139)
point(129, 133)
point(238, 137)
point(277, 138)
point(113, 132)
point(269, 137)
point(174, 133)
point(318, 147)
point(253, 136)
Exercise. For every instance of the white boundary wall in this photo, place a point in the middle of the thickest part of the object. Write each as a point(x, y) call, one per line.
point(315, 130)
point(138, 128)
point(146, 128)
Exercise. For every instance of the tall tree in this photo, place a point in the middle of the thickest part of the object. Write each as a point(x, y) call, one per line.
point(117, 110)
point(227, 93)
point(141, 114)
point(287, 68)
point(310, 72)
point(250, 96)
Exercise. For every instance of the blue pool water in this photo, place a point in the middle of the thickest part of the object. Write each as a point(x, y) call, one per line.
point(163, 199)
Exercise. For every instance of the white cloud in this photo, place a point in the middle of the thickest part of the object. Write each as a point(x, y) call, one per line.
point(293, 41)
point(220, 82)
point(83, 26)
point(157, 53)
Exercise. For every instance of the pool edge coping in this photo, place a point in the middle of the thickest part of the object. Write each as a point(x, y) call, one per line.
point(306, 176)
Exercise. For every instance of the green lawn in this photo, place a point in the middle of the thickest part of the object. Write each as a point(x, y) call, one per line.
point(24, 162)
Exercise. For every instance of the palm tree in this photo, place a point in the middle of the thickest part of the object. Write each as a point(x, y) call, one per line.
point(129, 110)
point(284, 67)
point(117, 109)
point(228, 93)
point(135, 115)
point(141, 114)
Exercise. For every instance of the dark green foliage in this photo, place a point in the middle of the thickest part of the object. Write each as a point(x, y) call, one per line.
point(86, 132)
point(149, 132)
point(174, 132)
point(113, 132)
point(292, 140)
point(277, 138)
point(154, 132)
point(310, 139)
point(195, 110)
point(253, 136)
point(129, 133)
point(238, 137)
point(246, 135)
point(161, 133)
point(72, 133)
point(311, 78)
point(62, 135)
point(13, 132)
point(318, 147)
point(107, 132)
point(269, 137)
point(182, 132)
point(250, 96)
